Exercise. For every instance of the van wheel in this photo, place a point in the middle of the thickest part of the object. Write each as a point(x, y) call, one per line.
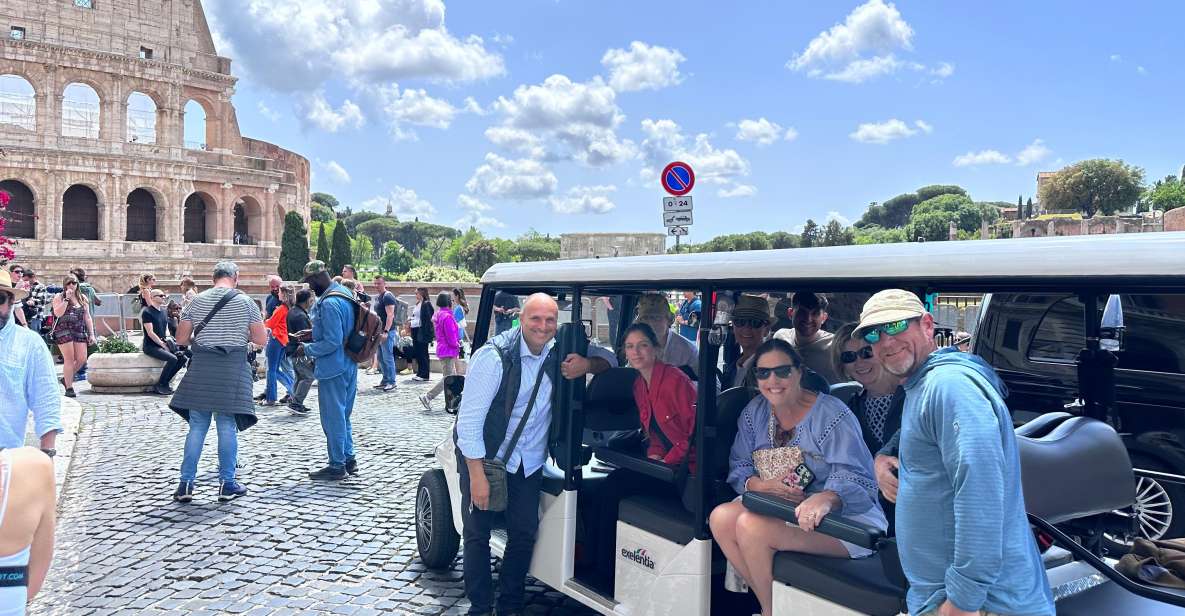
point(1159, 509)
point(436, 537)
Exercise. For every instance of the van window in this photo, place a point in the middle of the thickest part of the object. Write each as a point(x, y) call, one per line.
point(1060, 335)
point(1154, 340)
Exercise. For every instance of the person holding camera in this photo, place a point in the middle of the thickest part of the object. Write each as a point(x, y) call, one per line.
point(158, 342)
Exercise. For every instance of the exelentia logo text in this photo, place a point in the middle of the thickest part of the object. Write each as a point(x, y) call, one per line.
point(639, 556)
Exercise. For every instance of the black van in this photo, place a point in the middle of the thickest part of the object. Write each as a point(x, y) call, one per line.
point(1033, 340)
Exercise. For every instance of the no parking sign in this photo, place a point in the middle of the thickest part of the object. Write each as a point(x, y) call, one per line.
point(678, 178)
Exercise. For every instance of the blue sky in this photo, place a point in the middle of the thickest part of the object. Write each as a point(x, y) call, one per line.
point(557, 115)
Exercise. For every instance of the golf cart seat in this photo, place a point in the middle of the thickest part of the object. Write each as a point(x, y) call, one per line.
point(1041, 425)
point(609, 407)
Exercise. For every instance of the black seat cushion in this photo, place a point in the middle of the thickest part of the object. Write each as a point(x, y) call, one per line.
point(858, 584)
point(1110, 598)
point(658, 515)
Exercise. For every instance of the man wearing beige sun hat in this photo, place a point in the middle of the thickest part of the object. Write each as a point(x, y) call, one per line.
point(961, 523)
point(655, 311)
point(33, 385)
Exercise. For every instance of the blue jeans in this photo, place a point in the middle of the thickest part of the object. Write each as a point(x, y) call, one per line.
point(275, 360)
point(228, 444)
point(387, 358)
point(287, 369)
point(522, 522)
point(336, 402)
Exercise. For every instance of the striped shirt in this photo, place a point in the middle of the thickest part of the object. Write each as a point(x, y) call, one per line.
point(230, 326)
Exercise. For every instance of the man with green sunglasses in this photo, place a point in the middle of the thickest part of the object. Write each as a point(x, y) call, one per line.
point(959, 469)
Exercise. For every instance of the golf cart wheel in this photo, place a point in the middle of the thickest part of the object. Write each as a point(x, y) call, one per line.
point(436, 537)
point(1159, 510)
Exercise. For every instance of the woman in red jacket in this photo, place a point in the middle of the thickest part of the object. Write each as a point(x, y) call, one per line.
point(666, 410)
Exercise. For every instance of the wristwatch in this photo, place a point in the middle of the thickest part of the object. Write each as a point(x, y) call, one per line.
point(49, 452)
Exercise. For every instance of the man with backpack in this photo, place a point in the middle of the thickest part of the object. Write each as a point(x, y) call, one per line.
point(333, 322)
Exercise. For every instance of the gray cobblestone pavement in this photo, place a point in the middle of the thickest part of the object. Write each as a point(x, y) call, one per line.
point(291, 546)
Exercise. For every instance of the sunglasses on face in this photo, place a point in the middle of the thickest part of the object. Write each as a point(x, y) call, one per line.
point(783, 372)
point(850, 357)
point(750, 323)
point(18, 273)
point(873, 335)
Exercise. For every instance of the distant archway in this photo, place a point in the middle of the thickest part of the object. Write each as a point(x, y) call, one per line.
point(195, 126)
point(80, 111)
point(196, 212)
point(18, 102)
point(141, 118)
point(21, 213)
point(80, 213)
point(141, 216)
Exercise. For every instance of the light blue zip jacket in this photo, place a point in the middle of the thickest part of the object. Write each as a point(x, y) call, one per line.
point(961, 525)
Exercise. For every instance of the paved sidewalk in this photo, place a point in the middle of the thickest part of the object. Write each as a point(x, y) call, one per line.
point(291, 546)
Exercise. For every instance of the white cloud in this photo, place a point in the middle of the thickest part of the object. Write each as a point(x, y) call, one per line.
point(582, 117)
point(502, 178)
point(294, 46)
point(763, 131)
point(318, 112)
point(738, 190)
point(472, 106)
point(1035, 152)
point(267, 112)
point(864, 46)
point(1141, 70)
point(337, 173)
point(516, 140)
point(503, 39)
point(475, 214)
point(665, 142)
point(884, 132)
point(982, 157)
point(1116, 57)
point(642, 67)
point(584, 200)
point(414, 107)
point(834, 215)
point(404, 202)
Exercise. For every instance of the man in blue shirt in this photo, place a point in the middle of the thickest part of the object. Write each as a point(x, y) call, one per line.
point(961, 525)
point(27, 381)
point(688, 316)
point(535, 338)
point(333, 320)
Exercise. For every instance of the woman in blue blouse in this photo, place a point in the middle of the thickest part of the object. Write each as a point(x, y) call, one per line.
point(787, 415)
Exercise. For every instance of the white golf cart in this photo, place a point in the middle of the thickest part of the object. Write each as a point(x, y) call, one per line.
point(1076, 471)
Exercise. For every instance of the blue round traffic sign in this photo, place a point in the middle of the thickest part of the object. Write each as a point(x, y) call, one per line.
point(678, 178)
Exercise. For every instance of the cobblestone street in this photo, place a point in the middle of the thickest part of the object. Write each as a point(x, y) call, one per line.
point(290, 546)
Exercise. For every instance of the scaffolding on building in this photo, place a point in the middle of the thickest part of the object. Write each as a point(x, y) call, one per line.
point(18, 110)
point(80, 119)
point(141, 126)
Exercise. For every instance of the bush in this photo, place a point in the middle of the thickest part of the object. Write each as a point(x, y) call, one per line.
point(115, 344)
point(436, 273)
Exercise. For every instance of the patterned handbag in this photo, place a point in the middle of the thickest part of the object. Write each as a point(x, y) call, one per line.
point(777, 462)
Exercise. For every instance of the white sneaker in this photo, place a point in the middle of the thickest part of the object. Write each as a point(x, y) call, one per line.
point(426, 402)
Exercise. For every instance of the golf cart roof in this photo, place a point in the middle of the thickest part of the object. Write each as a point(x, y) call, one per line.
point(1119, 262)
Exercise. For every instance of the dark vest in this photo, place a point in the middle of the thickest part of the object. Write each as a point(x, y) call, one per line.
point(497, 424)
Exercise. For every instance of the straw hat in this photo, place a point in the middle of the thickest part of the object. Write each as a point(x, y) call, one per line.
point(6, 285)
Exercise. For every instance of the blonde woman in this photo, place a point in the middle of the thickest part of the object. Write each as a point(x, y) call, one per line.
point(73, 330)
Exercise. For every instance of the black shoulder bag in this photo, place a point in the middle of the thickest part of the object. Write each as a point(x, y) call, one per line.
point(495, 468)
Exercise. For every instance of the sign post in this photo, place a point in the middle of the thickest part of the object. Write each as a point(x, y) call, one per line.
point(677, 179)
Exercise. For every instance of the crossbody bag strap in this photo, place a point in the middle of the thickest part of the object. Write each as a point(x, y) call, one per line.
point(656, 430)
point(530, 405)
point(231, 294)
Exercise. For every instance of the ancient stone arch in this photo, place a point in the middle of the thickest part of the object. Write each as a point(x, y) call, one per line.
point(22, 209)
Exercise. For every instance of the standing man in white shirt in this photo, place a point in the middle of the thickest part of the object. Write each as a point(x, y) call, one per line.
point(27, 381)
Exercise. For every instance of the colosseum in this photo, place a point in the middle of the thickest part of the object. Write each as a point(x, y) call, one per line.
point(120, 147)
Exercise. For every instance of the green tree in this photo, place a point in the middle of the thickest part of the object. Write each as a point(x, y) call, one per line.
point(433, 273)
point(896, 210)
point(878, 235)
point(834, 234)
point(1165, 195)
point(326, 200)
point(362, 250)
point(322, 244)
point(931, 219)
point(320, 213)
point(479, 256)
point(380, 230)
point(395, 259)
point(810, 236)
point(1093, 186)
point(536, 250)
point(353, 220)
point(781, 239)
point(926, 193)
point(341, 250)
point(1029, 208)
point(294, 247)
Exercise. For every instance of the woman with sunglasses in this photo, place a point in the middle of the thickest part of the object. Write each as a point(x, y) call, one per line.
point(835, 477)
point(878, 405)
point(72, 330)
point(155, 322)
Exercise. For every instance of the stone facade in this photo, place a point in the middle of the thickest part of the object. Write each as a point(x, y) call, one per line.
point(1097, 225)
point(1174, 220)
point(601, 245)
point(124, 201)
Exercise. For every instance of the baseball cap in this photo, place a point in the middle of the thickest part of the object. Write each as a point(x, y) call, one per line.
point(312, 268)
point(889, 306)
